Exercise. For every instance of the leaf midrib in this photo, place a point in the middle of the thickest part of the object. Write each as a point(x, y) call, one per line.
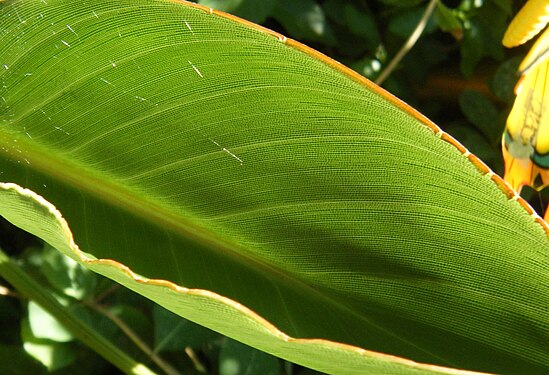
point(78, 177)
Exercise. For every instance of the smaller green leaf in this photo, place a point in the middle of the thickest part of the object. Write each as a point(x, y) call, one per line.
point(469, 5)
point(66, 275)
point(33, 290)
point(448, 21)
point(504, 5)
point(335, 11)
point(419, 63)
point(493, 21)
point(252, 10)
point(53, 355)
point(173, 333)
point(432, 51)
point(476, 143)
point(229, 6)
point(402, 3)
point(484, 25)
point(504, 80)
point(404, 23)
point(482, 113)
point(351, 46)
point(471, 48)
point(239, 359)
point(304, 19)
point(45, 326)
point(15, 361)
point(368, 67)
point(363, 25)
point(32, 256)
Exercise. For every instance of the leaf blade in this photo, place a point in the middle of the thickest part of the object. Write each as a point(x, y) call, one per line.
point(306, 176)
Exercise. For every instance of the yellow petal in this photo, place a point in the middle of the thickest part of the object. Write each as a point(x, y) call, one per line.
point(528, 122)
point(537, 54)
point(529, 21)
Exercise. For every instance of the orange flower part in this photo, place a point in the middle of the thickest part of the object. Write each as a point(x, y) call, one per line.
point(525, 143)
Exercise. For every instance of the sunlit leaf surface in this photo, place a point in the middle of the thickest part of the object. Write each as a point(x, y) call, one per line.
point(212, 154)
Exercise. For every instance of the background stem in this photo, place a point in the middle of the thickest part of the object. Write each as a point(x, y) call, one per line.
point(30, 288)
point(409, 43)
point(166, 367)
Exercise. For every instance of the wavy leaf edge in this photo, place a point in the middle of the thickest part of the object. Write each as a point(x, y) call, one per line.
point(483, 169)
point(478, 163)
point(230, 303)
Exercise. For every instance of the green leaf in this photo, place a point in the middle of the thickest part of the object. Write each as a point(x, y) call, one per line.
point(45, 326)
point(304, 19)
point(229, 6)
point(259, 189)
point(494, 22)
point(402, 3)
point(483, 31)
point(335, 11)
point(363, 25)
point(504, 80)
point(239, 359)
point(52, 354)
point(15, 361)
point(404, 23)
point(471, 48)
point(369, 68)
point(477, 143)
point(252, 10)
point(31, 288)
point(67, 275)
point(505, 5)
point(482, 113)
point(447, 20)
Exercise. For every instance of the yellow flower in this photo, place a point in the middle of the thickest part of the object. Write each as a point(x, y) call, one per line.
point(525, 142)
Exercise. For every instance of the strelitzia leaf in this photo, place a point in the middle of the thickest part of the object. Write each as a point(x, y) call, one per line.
point(260, 189)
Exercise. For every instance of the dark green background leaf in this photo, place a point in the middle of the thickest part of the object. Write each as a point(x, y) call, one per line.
point(239, 359)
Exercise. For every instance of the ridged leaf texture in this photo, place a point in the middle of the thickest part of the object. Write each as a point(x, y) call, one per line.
point(254, 186)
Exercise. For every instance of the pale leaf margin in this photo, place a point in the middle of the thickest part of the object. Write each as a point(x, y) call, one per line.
point(24, 208)
point(479, 164)
point(240, 322)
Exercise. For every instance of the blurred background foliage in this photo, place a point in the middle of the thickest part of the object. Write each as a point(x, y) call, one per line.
point(457, 73)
